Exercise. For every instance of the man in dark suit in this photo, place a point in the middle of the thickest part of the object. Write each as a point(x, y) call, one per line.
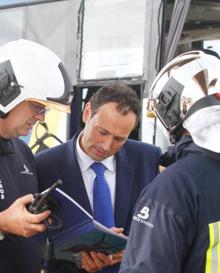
point(109, 117)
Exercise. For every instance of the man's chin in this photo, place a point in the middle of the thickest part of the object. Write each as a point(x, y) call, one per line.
point(24, 133)
point(98, 157)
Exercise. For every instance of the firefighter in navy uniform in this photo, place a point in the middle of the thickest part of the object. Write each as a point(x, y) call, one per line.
point(32, 79)
point(176, 224)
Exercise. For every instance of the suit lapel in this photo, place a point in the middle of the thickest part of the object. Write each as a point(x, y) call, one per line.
point(74, 184)
point(124, 181)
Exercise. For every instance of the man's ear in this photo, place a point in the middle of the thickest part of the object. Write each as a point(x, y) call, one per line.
point(87, 112)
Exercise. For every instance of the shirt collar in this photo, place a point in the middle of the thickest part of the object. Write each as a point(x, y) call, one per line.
point(86, 161)
point(6, 147)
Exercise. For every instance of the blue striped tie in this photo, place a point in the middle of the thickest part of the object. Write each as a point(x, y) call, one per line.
point(102, 205)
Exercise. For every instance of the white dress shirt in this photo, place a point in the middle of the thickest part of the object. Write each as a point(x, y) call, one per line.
point(89, 175)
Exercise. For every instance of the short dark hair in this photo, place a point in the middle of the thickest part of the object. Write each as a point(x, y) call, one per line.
point(124, 96)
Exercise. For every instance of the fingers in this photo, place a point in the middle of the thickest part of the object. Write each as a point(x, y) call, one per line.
point(89, 264)
point(95, 261)
point(32, 218)
point(33, 229)
point(29, 230)
point(118, 230)
point(106, 259)
point(35, 222)
point(117, 257)
point(17, 220)
point(38, 218)
point(27, 199)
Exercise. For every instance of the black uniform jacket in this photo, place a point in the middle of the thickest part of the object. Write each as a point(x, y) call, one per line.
point(176, 225)
point(17, 178)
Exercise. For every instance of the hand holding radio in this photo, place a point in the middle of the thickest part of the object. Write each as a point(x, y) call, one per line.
point(42, 202)
point(16, 220)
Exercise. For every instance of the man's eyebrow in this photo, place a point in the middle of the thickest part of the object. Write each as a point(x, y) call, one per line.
point(103, 129)
point(115, 136)
point(121, 139)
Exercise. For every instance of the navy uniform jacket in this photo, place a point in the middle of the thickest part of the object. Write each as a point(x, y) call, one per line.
point(136, 166)
point(176, 225)
point(17, 178)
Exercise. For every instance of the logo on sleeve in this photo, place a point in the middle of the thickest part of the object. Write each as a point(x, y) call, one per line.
point(2, 192)
point(142, 216)
point(26, 170)
point(144, 213)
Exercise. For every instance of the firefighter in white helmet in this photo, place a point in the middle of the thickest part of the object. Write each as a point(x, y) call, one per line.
point(176, 225)
point(32, 79)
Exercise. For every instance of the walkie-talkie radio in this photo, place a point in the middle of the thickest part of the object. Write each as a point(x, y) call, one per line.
point(43, 201)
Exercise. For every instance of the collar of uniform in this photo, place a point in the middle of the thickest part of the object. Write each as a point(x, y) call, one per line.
point(183, 147)
point(86, 161)
point(6, 147)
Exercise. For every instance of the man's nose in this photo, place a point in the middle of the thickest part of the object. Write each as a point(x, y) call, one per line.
point(107, 143)
point(40, 116)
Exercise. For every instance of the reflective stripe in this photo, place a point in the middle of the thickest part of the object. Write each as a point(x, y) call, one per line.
point(213, 252)
point(218, 249)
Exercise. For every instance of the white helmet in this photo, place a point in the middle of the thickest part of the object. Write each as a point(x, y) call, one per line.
point(30, 71)
point(186, 94)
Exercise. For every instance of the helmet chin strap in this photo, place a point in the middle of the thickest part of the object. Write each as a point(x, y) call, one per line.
point(207, 101)
point(176, 134)
point(204, 102)
point(3, 115)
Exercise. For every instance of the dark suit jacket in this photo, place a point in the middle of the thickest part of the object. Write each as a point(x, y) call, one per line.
point(136, 166)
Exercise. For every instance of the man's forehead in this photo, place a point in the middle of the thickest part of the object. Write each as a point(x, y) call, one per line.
point(116, 132)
